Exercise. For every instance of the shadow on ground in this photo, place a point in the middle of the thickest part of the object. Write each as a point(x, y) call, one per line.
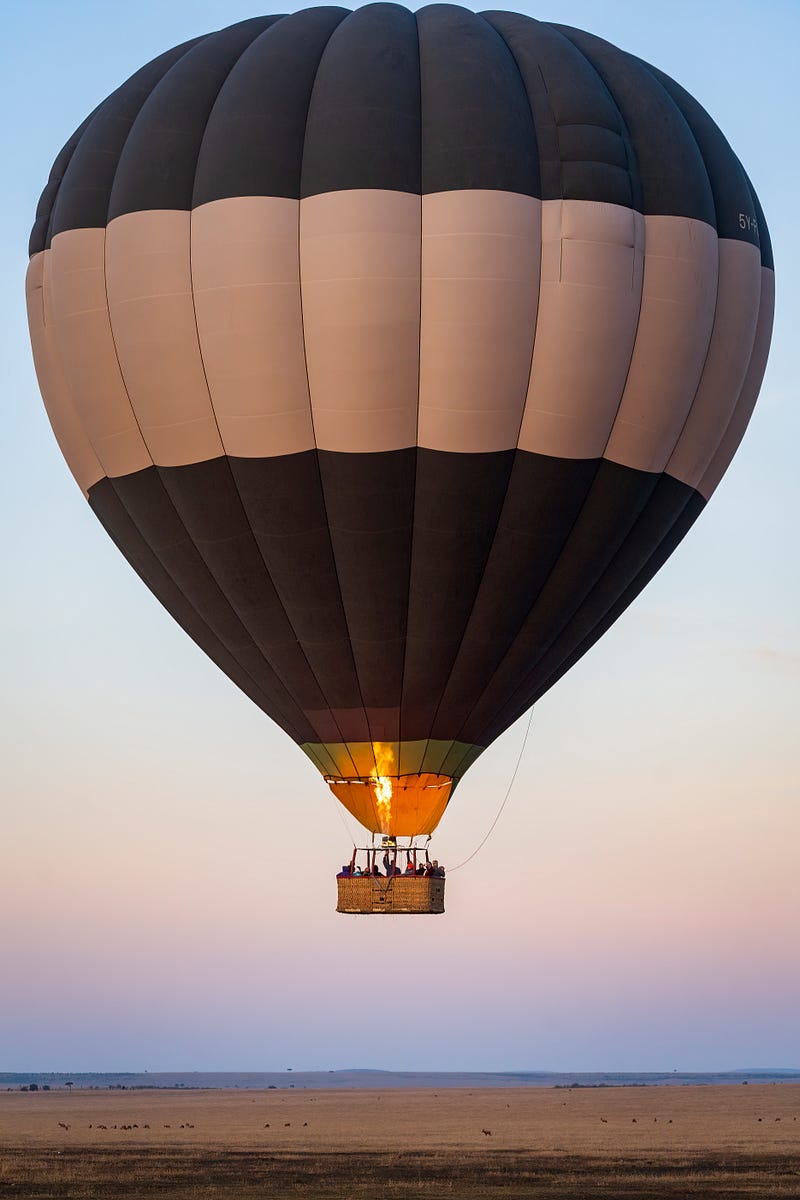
point(90, 1174)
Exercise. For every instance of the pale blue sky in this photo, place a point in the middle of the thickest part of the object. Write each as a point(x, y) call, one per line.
point(637, 905)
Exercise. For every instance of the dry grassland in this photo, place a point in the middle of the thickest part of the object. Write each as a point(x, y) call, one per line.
point(687, 1142)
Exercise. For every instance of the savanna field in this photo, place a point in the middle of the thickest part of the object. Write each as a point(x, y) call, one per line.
point(710, 1141)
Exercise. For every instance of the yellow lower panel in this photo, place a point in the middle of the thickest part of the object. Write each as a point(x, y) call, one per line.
point(361, 759)
point(399, 806)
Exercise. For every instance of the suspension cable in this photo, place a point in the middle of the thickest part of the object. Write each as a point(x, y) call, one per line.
point(341, 818)
point(503, 804)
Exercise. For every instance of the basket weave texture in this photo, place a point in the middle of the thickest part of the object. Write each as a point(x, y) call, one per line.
point(397, 894)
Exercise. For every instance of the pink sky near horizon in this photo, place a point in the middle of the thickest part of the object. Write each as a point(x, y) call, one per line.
point(622, 916)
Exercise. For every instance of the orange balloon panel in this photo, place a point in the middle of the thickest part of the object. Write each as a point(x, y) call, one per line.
point(400, 806)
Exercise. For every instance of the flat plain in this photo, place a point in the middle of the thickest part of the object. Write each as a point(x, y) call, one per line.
point(712, 1141)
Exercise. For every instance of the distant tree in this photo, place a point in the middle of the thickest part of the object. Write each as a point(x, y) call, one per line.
point(45, 1087)
point(34, 1087)
point(69, 1084)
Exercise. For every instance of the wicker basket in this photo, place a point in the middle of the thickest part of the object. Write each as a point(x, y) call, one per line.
point(397, 894)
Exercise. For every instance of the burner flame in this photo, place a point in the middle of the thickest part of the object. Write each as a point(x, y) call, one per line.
point(382, 784)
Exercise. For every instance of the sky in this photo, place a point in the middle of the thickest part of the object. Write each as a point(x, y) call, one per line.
point(167, 854)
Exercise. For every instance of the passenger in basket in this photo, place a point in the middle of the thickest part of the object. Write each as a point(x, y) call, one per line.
point(421, 869)
point(345, 872)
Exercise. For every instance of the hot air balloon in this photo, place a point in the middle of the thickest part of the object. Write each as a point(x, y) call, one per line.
point(397, 352)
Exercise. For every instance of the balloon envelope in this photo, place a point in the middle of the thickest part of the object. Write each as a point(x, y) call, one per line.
point(397, 352)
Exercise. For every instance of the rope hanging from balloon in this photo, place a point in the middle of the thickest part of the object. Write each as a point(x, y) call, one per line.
point(345, 826)
point(489, 831)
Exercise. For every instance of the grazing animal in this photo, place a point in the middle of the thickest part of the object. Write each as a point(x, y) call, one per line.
point(487, 1132)
point(286, 1124)
point(633, 1121)
point(304, 1124)
point(102, 1127)
point(145, 1127)
point(669, 1122)
point(266, 1125)
point(604, 1120)
point(61, 1125)
point(759, 1118)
